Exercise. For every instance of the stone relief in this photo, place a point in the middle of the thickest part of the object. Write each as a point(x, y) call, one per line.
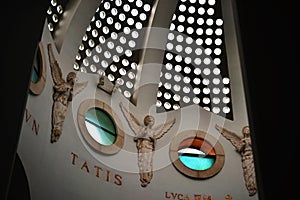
point(244, 147)
point(145, 138)
point(64, 91)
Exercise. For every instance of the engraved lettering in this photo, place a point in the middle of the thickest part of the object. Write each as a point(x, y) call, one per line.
point(118, 179)
point(85, 165)
point(206, 197)
point(74, 158)
point(186, 197)
point(35, 127)
point(98, 169)
point(197, 197)
point(27, 115)
point(174, 195)
point(180, 196)
point(31, 121)
point(167, 195)
point(107, 175)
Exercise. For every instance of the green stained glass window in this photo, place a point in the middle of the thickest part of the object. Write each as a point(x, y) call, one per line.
point(34, 75)
point(196, 154)
point(100, 126)
point(36, 71)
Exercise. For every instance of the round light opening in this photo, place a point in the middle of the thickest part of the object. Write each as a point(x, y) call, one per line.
point(36, 68)
point(100, 126)
point(196, 154)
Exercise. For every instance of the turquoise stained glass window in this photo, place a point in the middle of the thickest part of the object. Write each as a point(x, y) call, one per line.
point(196, 154)
point(34, 75)
point(36, 66)
point(100, 126)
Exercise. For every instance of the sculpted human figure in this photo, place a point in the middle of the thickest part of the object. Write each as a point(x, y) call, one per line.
point(64, 91)
point(244, 147)
point(145, 138)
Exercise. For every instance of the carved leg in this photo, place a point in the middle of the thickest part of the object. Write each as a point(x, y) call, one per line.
point(145, 167)
point(58, 116)
point(249, 174)
point(145, 161)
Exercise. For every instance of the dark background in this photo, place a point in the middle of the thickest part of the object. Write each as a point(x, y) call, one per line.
point(268, 37)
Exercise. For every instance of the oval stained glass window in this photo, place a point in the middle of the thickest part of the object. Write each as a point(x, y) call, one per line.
point(196, 154)
point(35, 75)
point(36, 71)
point(100, 126)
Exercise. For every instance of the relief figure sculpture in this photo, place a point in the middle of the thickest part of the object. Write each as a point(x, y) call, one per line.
point(64, 91)
point(145, 138)
point(244, 147)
